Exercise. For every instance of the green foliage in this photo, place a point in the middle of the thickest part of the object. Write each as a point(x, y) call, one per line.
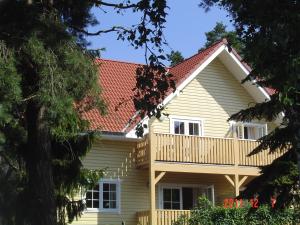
point(47, 81)
point(271, 44)
point(207, 214)
point(174, 58)
point(218, 33)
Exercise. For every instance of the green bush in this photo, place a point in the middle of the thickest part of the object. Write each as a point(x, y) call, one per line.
point(206, 214)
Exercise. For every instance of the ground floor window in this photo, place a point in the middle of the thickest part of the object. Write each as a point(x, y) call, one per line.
point(105, 196)
point(183, 196)
point(171, 198)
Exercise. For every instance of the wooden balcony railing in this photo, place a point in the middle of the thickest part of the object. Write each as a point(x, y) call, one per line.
point(163, 216)
point(204, 150)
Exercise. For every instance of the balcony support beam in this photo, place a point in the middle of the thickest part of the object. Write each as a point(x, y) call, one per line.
point(229, 180)
point(159, 176)
point(242, 180)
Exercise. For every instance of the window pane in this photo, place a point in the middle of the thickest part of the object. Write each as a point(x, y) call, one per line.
point(175, 205)
point(175, 195)
point(181, 127)
point(89, 203)
point(96, 195)
point(106, 204)
point(105, 195)
point(95, 204)
point(193, 129)
point(89, 195)
point(167, 195)
point(246, 136)
point(167, 205)
point(178, 127)
point(112, 196)
point(113, 204)
point(113, 187)
point(105, 187)
point(196, 129)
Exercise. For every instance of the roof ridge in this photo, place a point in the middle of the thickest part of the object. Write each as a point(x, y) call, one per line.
point(118, 61)
point(205, 49)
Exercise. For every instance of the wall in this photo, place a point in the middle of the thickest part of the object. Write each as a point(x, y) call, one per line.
point(118, 158)
point(213, 95)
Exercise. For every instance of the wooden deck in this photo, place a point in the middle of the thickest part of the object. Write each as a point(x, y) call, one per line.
point(201, 150)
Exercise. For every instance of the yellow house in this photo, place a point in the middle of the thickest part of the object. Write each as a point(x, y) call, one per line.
point(191, 151)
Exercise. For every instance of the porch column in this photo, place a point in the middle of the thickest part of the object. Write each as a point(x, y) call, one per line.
point(152, 151)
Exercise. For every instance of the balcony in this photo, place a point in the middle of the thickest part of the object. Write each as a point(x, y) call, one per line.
point(170, 148)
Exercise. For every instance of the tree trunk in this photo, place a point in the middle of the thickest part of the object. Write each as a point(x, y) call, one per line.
point(42, 208)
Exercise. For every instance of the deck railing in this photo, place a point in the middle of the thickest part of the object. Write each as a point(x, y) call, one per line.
point(204, 150)
point(168, 217)
point(163, 216)
point(143, 218)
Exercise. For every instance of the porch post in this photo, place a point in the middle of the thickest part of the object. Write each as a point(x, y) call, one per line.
point(152, 151)
point(236, 185)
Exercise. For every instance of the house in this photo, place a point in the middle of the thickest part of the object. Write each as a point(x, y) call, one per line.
point(194, 151)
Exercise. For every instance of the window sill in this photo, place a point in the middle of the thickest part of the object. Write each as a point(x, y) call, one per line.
point(117, 211)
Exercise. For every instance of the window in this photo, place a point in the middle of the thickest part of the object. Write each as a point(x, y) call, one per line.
point(92, 198)
point(171, 198)
point(251, 131)
point(186, 127)
point(180, 196)
point(104, 197)
point(178, 127)
point(109, 194)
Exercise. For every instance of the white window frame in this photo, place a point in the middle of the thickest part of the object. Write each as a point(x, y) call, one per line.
point(186, 121)
point(180, 186)
point(235, 126)
point(117, 182)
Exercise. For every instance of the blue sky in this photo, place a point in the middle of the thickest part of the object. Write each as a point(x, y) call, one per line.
point(185, 30)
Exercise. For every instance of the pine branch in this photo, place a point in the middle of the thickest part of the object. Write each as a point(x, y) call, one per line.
point(118, 5)
point(99, 32)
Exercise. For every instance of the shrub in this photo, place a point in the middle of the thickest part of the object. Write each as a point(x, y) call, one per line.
point(206, 214)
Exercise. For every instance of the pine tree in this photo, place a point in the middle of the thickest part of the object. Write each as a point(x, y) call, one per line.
point(47, 80)
point(270, 34)
point(218, 33)
point(174, 58)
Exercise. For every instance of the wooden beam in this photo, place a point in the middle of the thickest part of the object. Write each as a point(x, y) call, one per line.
point(160, 175)
point(236, 185)
point(202, 168)
point(243, 180)
point(229, 179)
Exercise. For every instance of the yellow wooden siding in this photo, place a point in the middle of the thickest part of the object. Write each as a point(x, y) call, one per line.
point(118, 158)
point(213, 95)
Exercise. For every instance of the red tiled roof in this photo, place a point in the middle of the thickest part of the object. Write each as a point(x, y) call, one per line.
point(117, 80)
